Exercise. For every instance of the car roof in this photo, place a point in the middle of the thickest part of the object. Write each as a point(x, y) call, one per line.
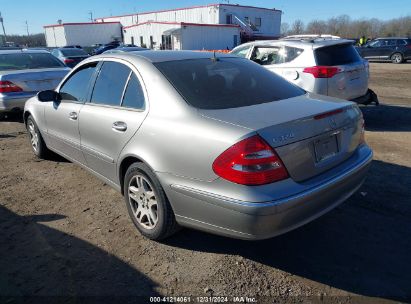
point(392, 38)
point(162, 56)
point(304, 43)
point(24, 51)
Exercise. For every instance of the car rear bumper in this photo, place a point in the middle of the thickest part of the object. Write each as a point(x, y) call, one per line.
point(254, 221)
point(368, 98)
point(14, 101)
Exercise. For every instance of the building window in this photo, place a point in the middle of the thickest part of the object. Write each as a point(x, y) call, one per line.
point(132, 40)
point(142, 41)
point(258, 21)
point(229, 19)
point(247, 20)
point(151, 42)
point(166, 42)
point(235, 41)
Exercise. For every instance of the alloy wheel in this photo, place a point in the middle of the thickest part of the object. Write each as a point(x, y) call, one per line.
point(143, 201)
point(34, 137)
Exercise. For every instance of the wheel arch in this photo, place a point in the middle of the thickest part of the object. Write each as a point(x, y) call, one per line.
point(125, 163)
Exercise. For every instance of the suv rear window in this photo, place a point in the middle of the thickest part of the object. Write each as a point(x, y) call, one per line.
point(73, 52)
point(226, 82)
point(336, 55)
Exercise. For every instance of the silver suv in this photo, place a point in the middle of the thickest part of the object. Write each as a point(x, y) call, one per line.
point(326, 66)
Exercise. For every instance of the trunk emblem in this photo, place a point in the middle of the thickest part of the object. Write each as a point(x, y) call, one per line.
point(332, 122)
point(284, 137)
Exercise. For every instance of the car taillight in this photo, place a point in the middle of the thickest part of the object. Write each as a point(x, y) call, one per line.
point(322, 71)
point(250, 162)
point(68, 60)
point(8, 87)
point(409, 46)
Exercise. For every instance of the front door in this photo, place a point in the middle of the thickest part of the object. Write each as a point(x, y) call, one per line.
point(115, 112)
point(62, 116)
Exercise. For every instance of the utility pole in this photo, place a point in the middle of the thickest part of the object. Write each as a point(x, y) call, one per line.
point(4, 31)
point(91, 16)
point(27, 28)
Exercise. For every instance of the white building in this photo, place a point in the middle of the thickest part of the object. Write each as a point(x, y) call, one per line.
point(218, 25)
point(214, 26)
point(83, 34)
point(182, 36)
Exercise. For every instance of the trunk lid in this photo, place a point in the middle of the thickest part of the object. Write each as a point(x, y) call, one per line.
point(307, 142)
point(35, 80)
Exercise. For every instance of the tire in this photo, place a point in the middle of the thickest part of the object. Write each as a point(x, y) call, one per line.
point(397, 58)
point(36, 140)
point(147, 204)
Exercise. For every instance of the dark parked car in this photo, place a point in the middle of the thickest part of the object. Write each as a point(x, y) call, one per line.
point(70, 56)
point(122, 49)
point(106, 47)
point(395, 49)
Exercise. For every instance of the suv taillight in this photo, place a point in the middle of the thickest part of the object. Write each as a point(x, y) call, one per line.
point(68, 60)
point(250, 162)
point(322, 71)
point(8, 87)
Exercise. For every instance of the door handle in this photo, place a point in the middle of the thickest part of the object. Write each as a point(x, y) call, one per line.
point(73, 116)
point(119, 126)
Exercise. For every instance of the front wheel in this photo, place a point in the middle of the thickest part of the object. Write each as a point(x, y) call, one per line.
point(147, 203)
point(397, 58)
point(37, 143)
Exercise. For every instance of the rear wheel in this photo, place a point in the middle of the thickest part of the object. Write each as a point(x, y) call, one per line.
point(397, 58)
point(147, 203)
point(37, 143)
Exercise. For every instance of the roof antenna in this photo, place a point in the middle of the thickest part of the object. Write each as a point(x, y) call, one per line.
point(214, 59)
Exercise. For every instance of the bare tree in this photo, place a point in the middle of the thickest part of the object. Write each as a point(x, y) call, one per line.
point(297, 27)
point(285, 28)
point(317, 27)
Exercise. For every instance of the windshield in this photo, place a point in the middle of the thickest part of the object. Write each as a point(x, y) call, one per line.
point(23, 61)
point(226, 82)
point(73, 52)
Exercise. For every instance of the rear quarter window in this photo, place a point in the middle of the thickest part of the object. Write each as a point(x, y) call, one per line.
point(340, 54)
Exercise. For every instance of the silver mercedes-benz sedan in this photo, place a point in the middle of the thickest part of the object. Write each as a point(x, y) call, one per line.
point(23, 73)
point(216, 143)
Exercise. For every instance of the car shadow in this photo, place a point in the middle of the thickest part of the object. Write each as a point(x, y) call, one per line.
point(363, 246)
point(12, 117)
point(387, 117)
point(36, 260)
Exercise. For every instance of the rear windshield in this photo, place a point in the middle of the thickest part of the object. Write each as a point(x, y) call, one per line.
point(23, 61)
point(337, 55)
point(73, 52)
point(226, 83)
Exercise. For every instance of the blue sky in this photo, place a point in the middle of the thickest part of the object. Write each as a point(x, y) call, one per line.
point(41, 12)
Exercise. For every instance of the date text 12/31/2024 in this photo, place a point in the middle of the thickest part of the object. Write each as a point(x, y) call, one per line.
point(203, 299)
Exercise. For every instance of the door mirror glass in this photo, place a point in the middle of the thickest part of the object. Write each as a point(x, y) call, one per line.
point(48, 95)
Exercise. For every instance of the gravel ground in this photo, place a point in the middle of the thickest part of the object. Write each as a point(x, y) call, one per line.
point(65, 233)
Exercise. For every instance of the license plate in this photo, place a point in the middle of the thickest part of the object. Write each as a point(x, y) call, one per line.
point(325, 148)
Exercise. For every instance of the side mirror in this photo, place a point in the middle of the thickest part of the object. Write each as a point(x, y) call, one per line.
point(48, 95)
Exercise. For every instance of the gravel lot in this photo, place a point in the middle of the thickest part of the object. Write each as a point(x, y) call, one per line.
point(64, 232)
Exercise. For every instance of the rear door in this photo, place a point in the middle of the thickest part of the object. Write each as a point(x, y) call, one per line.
point(62, 116)
point(351, 80)
point(115, 112)
point(387, 48)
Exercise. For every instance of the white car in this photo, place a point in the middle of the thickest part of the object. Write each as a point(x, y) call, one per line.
point(324, 66)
